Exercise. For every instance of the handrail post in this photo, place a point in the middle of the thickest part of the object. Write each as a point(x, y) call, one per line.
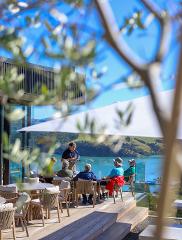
point(1, 142)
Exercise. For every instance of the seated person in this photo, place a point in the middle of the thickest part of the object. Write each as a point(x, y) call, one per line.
point(115, 176)
point(65, 171)
point(87, 174)
point(130, 171)
point(48, 171)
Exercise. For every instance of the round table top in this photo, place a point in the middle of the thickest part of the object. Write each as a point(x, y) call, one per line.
point(33, 186)
point(2, 200)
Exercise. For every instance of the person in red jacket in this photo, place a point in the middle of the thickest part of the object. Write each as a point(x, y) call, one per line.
point(116, 175)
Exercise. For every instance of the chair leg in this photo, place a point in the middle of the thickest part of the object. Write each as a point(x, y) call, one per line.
point(42, 212)
point(132, 190)
point(69, 199)
point(76, 199)
point(49, 213)
point(121, 192)
point(67, 207)
point(22, 224)
point(30, 213)
point(116, 194)
point(13, 229)
point(1, 235)
point(94, 199)
point(61, 206)
point(26, 228)
point(114, 198)
point(58, 212)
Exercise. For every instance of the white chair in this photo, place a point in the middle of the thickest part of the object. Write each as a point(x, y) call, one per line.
point(64, 196)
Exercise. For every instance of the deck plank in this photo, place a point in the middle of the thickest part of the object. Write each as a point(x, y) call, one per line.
point(125, 224)
point(81, 216)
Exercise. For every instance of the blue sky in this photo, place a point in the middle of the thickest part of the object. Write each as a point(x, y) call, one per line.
point(142, 42)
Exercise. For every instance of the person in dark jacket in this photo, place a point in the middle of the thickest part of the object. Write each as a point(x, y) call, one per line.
point(71, 155)
point(87, 174)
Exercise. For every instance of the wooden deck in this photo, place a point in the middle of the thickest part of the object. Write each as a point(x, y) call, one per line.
point(85, 222)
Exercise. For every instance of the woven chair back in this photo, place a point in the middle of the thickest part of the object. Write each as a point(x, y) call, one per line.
point(85, 187)
point(49, 200)
point(6, 219)
point(8, 195)
point(65, 188)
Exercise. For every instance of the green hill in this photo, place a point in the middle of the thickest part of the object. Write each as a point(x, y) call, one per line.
point(130, 146)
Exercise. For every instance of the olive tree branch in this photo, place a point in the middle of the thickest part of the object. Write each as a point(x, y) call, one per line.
point(154, 9)
point(31, 6)
point(112, 35)
point(171, 132)
point(165, 25)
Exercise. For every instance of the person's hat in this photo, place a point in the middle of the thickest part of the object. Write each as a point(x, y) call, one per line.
point(118, 160)
point(53, 159)
point(132, 161)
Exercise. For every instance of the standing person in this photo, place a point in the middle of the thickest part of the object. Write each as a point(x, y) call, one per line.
point(71, 155)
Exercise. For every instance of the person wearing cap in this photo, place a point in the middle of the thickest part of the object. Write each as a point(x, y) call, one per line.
point(87, 174)
point(131, 170)
point(65, 171)
point(116, 175)
point(118, 169)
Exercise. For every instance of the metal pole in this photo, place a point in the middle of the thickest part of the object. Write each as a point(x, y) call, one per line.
point(23, 145)
point(1, 142)
point(6, 162)
point(28, 134)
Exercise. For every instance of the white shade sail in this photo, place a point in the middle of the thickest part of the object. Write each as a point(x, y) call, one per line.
point(143, 122)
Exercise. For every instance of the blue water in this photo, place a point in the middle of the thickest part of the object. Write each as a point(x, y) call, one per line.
point(147, 168)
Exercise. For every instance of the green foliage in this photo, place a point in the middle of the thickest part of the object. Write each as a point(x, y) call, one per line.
point(11, 42)
point(77, 3)
point(134, 81)
point(124, 117)
point(67, 39)
point(152, 201)
point(133, 22)
point(9, 83)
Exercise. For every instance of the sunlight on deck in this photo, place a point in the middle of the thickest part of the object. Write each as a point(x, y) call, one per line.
point(85, 222)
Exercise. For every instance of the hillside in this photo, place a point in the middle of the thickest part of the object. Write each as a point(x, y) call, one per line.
point(131, 146)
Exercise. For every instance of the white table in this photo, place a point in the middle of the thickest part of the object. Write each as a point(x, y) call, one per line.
point(178, 203)
point(34, 186)
point(170, 233)
point(2, 200)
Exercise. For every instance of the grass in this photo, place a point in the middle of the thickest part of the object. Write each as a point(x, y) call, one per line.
point(150, 202)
